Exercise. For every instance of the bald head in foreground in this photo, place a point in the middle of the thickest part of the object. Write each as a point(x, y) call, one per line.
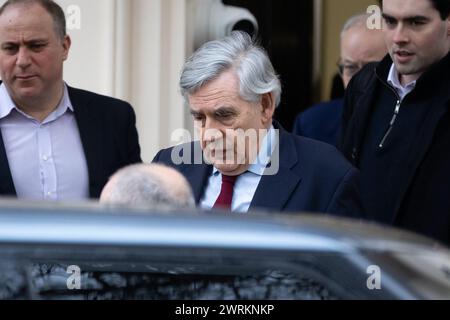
point(148, 185)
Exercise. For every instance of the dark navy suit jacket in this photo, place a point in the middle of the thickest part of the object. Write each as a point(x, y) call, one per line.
point(312, 177)
point(321, 122)
point(108, 134)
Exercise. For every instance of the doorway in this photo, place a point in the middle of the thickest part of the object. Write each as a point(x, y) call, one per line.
point(286, 32)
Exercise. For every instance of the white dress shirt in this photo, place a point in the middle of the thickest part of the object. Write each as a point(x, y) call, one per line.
point(394, 80)
point(46, 160)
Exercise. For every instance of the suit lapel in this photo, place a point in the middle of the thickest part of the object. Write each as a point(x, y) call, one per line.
point(274, 191)
point(6, 181)
point(196, 171)
point(198, 176)
point(7, 187)
point(90, 137)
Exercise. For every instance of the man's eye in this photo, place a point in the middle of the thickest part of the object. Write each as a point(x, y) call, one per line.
point(350, 70)
point(416, 23)
point(224, 115)
point(389, 21)
point(351, 67)
point(9, 49)
point(37, 46)
point(197, 117)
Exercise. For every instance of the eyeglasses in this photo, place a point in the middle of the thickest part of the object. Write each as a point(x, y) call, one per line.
point(350, 69)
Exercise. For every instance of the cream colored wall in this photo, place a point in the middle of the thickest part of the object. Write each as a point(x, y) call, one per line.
point(335, 13)
point(133, 50)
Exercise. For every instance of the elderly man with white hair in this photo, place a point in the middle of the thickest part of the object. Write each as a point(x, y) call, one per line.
point(359, 46)
point(247, 161)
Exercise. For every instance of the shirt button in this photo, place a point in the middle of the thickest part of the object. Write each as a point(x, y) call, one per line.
point(45, 158)
point(49, 193)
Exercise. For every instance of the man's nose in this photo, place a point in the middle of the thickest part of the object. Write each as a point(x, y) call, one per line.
point(209, 124)
point(400, 34)
point(210, 131)
point(23, 58)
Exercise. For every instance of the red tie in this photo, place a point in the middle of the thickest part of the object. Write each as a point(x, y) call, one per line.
point(226, 193)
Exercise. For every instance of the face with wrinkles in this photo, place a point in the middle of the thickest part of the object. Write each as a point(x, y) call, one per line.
point(221, 116)
point(360, 46)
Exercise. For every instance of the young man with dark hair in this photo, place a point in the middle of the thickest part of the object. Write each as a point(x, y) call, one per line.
point(396, 126)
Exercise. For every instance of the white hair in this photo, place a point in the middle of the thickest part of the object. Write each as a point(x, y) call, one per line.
point(236, 52)
point(140, 186)
point(359, 21)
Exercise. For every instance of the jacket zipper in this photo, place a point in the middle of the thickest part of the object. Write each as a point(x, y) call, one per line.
point(394, 117)
point(391, 124)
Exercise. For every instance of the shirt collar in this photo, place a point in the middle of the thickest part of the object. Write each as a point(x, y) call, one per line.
point(7, 105)
point(268, 145)
point(63, 106)
point(394, 80)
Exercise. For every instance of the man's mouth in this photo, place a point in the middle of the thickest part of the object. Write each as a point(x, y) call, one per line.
point(25, 77)
point(403, 55)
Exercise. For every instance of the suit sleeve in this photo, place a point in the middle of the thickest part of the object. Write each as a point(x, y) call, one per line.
point(156, 159)
point(134, 150)
point(164, 157)
point(346, 201)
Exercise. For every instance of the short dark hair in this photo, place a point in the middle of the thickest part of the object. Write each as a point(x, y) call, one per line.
point(443, 6)
point(53, 9)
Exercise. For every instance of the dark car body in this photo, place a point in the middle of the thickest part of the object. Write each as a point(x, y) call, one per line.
point(157, 254)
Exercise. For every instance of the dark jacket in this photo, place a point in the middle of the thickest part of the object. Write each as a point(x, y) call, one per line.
point(108, 134)
point(423, 202)
point(320, 122)
point(312, 177)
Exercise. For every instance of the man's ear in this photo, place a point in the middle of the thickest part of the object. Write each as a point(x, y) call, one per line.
point(268, 107)
point(66, 43)
point(448, 26)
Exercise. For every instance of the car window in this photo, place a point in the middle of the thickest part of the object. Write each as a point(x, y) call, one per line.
point(50, 282)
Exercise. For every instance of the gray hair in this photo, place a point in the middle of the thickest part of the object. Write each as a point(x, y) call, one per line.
point(236, 52)
point(359, 21)
point(140, 186)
